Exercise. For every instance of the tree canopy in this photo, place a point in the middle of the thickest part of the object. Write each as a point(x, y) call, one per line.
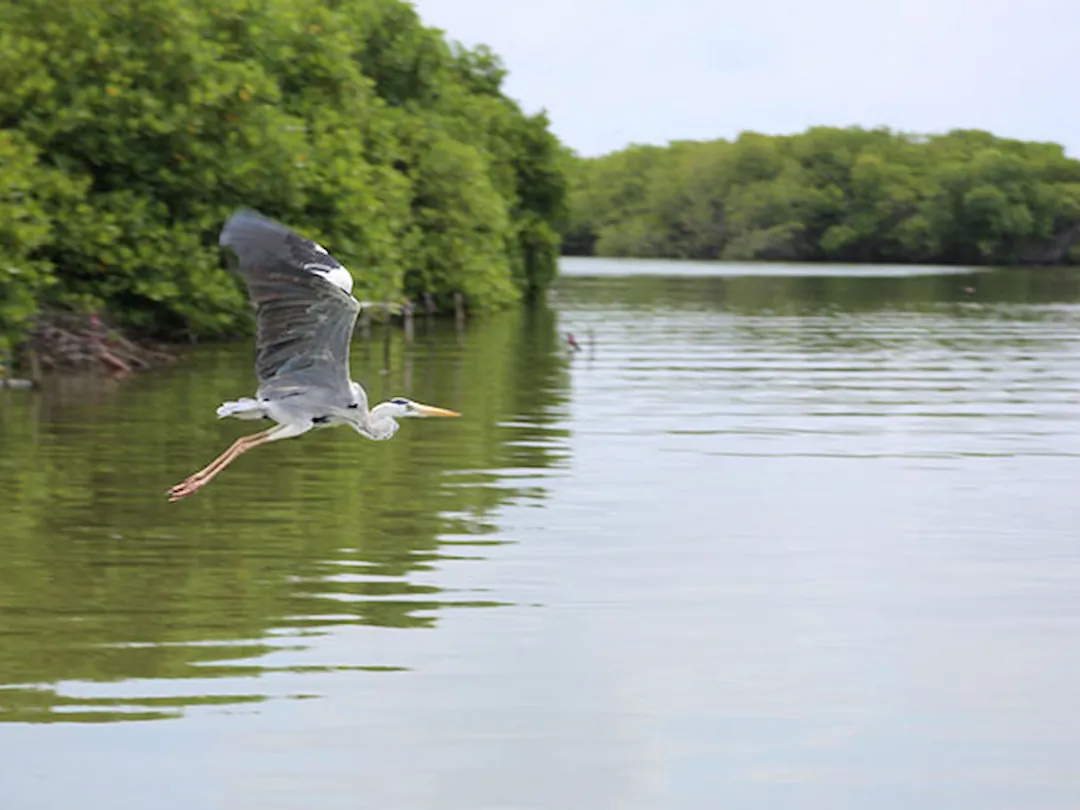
point(830, 194)
point(130, 128)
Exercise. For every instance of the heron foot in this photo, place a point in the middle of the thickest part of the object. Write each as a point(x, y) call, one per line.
point(189, 486)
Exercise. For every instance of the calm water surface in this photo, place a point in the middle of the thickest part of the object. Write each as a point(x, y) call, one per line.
point(779, 537)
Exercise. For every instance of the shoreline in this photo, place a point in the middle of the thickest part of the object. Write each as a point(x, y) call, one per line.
point(63, 342)
point(67, 342)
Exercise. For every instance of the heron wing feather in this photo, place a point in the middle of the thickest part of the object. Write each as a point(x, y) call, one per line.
point(305, 314)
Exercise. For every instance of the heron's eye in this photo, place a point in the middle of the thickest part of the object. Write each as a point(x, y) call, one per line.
point(400, 401)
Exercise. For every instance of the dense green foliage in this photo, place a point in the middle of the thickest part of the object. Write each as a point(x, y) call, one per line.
point(130, 128)
point(26, 191)
point(832, 195)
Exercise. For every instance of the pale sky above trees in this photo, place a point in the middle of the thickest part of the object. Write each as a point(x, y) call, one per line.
point(611, 72)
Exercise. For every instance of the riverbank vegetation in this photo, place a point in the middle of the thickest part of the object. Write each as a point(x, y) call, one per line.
point(844, 195)
point(129, 129)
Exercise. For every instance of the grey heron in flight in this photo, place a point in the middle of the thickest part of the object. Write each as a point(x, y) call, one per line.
point(305, 314)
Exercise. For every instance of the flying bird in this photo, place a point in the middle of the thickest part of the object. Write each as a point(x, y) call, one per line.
point(305, 314)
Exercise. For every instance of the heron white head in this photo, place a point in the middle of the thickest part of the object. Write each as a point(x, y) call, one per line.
point(400, 408)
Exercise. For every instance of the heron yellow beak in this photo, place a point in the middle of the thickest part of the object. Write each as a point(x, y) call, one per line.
point(431, 410)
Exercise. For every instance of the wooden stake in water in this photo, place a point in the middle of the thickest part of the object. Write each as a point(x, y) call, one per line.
point(459, 308)
point(365, 322)
point(407, 313)
point(386, 341)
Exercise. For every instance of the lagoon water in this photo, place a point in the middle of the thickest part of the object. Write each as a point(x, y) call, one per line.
point(778, 536)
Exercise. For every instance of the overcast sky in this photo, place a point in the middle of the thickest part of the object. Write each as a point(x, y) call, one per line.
point(612, 72)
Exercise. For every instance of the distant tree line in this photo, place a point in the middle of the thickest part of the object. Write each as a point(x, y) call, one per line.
point(829, 194)
point(130, 128)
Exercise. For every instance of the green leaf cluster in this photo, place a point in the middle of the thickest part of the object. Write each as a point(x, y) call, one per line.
point(131, 128)
point(23, 230)
point(832, 194)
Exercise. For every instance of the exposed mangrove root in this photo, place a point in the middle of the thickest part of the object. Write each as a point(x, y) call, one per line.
point(68, 341)
point(63, 341)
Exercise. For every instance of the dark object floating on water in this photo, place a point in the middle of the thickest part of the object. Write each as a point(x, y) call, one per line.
point(305, 314)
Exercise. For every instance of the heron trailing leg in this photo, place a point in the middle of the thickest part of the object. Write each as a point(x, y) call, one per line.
point(196, 481)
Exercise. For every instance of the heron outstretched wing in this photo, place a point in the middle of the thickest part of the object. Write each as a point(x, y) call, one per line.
point(304, 308)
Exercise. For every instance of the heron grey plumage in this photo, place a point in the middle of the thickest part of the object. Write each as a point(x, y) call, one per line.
point(305, 315)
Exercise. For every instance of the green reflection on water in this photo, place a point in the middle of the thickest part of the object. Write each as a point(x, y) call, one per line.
point(104, 581)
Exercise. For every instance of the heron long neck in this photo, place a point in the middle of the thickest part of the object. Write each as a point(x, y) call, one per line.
point(380, 423)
